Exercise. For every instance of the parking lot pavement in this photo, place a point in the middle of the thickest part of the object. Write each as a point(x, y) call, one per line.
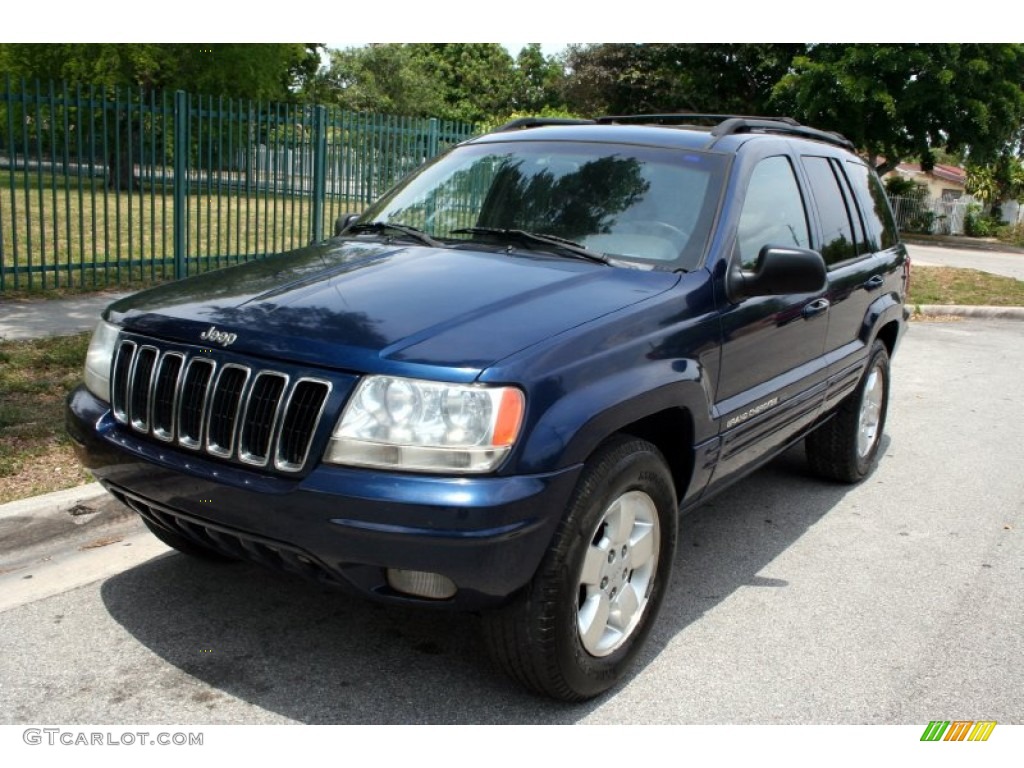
point(793, 601)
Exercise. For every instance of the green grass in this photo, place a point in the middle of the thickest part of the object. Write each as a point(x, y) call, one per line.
point(35, 377)
point(968, 287)
point(91, 233)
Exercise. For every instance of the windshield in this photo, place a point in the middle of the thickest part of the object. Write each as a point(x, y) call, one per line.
point(641, 204)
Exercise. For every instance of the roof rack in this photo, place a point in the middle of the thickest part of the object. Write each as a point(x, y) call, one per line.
point(683, 118)
point(786, 126)
point(726, 125)
point(536, 122)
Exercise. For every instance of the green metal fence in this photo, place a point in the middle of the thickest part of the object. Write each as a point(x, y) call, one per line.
point(105, 186)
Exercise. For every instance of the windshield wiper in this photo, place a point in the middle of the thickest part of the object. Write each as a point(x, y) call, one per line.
point(559, 244)
point(383, 227)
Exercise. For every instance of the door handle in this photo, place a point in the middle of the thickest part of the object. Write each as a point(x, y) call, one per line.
point(874, 283)
point(815, 308)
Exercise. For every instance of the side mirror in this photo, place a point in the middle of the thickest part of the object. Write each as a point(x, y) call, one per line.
point(344, 222)
point(779, 271)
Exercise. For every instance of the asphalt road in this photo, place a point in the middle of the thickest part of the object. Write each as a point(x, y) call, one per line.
point(793, 601)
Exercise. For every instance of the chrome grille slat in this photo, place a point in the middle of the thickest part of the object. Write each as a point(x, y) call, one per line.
point(305, 406)
point(224, 408)
point(140, 387)
point(231, 411)
point(165, 390)
point(262, 410)
point(192, 402)
point(119, 380)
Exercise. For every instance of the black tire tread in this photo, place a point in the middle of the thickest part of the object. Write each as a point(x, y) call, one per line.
point(832, 448)
point(521, 636)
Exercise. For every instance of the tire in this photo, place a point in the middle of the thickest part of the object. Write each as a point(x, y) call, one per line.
point(845, 448)
point(576, 628)
point(186, 546)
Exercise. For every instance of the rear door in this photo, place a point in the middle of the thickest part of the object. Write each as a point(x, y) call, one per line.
point(853, 241)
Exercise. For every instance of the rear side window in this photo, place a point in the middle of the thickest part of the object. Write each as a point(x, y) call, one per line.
point(881, 229)
point(836, 211)
point(773, 211)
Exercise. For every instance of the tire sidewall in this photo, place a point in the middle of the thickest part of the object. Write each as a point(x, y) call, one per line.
point(880, 360)
point(642, 470)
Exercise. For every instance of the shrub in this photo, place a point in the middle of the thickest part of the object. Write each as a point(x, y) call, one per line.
point(977, 223)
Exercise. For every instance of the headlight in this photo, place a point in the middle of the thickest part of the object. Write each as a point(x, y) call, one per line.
point(426, 426)
point(97, 360)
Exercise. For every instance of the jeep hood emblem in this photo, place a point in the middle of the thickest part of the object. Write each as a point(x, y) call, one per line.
point(218, 337)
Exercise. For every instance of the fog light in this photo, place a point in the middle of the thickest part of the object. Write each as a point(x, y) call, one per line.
point(421, 584)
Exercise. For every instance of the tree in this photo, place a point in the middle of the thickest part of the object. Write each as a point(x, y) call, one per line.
point(477, 79)
point(893, 101)
point(387, 78)
point(620, 78)
point(539, 81)
point(467, 82)
point(240, 70)
point(997, 182)
point(900, 101)
point(256, 71)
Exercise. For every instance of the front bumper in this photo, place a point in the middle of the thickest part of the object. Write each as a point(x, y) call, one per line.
point(339, 526)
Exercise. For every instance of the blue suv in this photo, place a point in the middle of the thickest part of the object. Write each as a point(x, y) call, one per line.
point(498, 387)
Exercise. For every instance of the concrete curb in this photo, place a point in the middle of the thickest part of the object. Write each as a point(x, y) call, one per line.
point(983, 312)
point(30, 525)
point(61, 501)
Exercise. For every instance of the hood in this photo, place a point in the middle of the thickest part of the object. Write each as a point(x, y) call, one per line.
point(378, 307)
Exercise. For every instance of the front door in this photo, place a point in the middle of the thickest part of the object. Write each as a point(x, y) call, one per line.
point(773, 369)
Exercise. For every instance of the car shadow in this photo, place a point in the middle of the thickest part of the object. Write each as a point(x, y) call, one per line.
point(320, 656)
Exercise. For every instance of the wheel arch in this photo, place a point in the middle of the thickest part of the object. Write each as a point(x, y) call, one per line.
point(664, 418)
point(888, 334)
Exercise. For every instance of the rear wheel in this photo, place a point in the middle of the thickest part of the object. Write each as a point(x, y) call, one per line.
point(574, 631)
point(846, 447)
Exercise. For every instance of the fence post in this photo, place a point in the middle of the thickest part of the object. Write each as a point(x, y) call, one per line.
point(433, 139)
point(181, 150)
point(319, 172)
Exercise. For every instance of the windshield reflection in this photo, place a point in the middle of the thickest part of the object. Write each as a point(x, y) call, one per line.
point(634, 203)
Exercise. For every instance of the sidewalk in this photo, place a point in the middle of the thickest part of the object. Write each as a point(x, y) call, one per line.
point(35, 318)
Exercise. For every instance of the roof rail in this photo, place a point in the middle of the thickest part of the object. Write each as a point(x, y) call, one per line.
point(536, 122)
point(683, 118)
point(725, 125)
point(786, 126)
point(730, 124)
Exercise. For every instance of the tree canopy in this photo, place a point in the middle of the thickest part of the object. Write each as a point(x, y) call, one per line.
point(893, 101)
point(899, 101)
point(241, 70)
point(469, 82)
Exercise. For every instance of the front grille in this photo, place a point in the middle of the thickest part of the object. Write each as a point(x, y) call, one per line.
point(256, 416)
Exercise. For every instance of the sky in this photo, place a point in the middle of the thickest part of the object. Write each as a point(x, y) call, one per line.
point(409, 21)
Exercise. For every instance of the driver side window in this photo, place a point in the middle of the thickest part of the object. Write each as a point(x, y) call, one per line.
point(773, 211)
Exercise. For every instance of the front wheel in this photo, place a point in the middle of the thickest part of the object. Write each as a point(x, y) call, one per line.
point(846, 447)
point(574, 631)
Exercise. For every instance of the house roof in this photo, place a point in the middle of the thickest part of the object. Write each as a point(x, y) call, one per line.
point(951, 173)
